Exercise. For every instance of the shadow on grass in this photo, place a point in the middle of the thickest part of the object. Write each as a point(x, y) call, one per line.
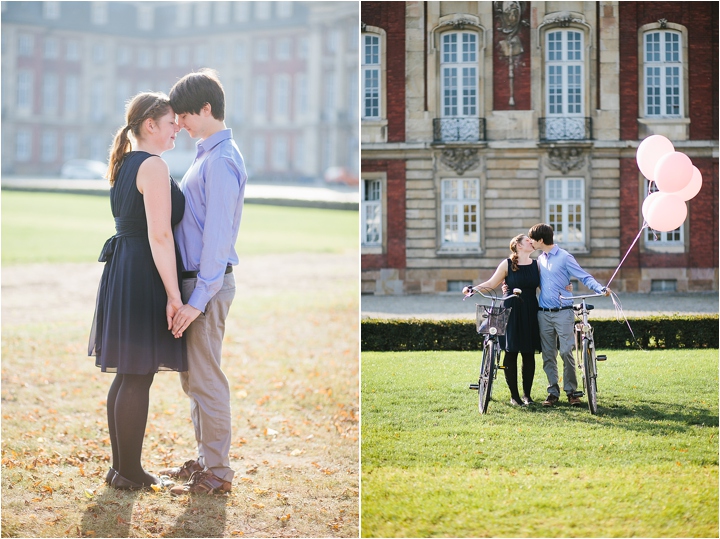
point(110, 515)
point(649, 417)
point(204, 516)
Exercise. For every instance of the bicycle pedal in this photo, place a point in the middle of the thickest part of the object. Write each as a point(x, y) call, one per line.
point(601, 358)
point(501, 367)
point(474, 387)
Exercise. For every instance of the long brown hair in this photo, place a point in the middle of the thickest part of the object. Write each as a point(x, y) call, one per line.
point(146, 105)
point(513, 251)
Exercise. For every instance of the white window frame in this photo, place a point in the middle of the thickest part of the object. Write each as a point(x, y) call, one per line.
point(301, 96)
point(258, 153)
point(183, 14)
point(144, 57)
point(25, 91)
point(568, 63)
point(202, 14)
point(99, 13)
point(145, 17)
point(667, 78)
point(460, 73)
point(50, 93)
point(262, 50)
point(564, 206)
point(72, 51)
point(284, 9)
point(238, 100)
point(26, 45)
point(222, 12)
point(72, 96)
point(672, 241)
point(263, 11)
point(280, 161)
point(51, 10)
point(260, 98)
point(23, 145)
point(48, 146)
point(283, 48)
point(242, 11)
point(281, 98)
point(378, 205)
point(372, 76)
point(52, 48)
point(460, 212)
point(98, 53)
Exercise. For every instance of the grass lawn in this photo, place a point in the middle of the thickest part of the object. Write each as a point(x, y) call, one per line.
point(645, 466)
point(59, 227)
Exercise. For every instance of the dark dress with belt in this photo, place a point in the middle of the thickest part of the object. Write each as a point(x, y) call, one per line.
point(129, 333)
point(523, 333)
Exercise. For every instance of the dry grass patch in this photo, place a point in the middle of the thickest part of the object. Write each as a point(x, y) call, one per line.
point(292, 361)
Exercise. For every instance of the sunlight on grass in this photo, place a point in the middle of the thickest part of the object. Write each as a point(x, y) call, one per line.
point(58, 227)
point(646, 465)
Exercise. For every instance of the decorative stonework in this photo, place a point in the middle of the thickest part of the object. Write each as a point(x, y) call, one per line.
point(566, 158)
point(459, 24)
point(563, 19)
point(460, 159)
point(363, 26)
point(511, 22)
point(663, 23)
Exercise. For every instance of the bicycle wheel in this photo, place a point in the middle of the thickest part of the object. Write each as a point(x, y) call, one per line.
point(486, 378)
point(589, 377)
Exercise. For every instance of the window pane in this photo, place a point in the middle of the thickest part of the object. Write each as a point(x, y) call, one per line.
point(672, 47)
point(652, 47)
point(469, 48)
point(450, 92)
point(574, 46)
point(449, 48)
point(554, 51)
point(555, 90)
point(672, 91)
point(652, 90)
point(372, 50)
point(469, 91)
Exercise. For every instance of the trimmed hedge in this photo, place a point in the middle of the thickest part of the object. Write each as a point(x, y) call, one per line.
point(378, 335)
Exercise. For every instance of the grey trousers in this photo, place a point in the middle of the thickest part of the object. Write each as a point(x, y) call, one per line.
point(554, 327)
point(205, 383)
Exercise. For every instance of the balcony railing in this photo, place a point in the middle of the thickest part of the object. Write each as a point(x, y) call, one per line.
point(565, 129)
point(458, 129)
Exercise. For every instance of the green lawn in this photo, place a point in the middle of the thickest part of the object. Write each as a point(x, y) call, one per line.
point(49, 227)
point(645, 466)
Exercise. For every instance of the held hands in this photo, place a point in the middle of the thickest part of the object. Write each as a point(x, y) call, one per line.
point(171, 309)
point(182, 319)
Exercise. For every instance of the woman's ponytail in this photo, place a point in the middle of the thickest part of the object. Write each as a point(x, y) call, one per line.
point(121, 145)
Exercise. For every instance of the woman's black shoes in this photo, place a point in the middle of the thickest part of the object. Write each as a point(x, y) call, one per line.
point(112, 472)
point(121, 483)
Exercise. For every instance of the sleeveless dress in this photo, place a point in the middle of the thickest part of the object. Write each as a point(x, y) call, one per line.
point(522, 333)
point(129, 334)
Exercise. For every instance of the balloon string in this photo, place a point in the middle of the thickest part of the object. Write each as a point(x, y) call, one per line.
point(626, 254)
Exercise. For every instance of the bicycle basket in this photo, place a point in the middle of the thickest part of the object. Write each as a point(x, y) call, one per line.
point(495, 317)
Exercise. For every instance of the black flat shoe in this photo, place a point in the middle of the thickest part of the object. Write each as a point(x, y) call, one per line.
point(514, 402)
point(112, 472)
point(527, 400)
point(120, 483)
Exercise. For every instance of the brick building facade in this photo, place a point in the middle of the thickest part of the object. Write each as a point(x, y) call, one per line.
point(481, 119)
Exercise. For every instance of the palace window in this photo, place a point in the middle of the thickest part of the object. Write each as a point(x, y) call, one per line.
point(371, 212)
point(371, 76)
point(459, 74)
point(654, 238)
point(565, 211)
point(663, 72)
point(460, 219)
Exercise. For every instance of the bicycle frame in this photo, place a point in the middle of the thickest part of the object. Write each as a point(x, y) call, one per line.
point(585, 357)
point(491, 356)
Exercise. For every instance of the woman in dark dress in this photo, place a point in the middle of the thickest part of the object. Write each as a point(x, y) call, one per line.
point(139, 291)
point(522, 335)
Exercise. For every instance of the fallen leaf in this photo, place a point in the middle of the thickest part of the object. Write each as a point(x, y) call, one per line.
point(89, 493)
point(296, 452)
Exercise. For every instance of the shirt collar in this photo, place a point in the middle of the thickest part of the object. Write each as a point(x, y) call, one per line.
point(554, 250)
point(213, 140)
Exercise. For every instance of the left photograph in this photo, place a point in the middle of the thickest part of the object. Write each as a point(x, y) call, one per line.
point(180, 269)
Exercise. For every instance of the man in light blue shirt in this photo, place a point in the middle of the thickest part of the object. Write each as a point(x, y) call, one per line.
point(555, 317)
point(214, 189)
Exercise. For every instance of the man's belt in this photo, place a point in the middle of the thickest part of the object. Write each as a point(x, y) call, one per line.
point(194, 274)
point(554, 309)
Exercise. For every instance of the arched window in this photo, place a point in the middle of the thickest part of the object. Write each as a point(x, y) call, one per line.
point(663, 73)
point(371, 76)
point(459, 74)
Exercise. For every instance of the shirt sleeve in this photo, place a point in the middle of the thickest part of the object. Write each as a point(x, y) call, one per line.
point(576, 271)
point(223, 181)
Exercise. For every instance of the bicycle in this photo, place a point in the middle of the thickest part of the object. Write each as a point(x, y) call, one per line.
point(491, 322)
point(585, 357)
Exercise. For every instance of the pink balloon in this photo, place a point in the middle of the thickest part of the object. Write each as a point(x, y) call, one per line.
point(649, 153)
point(673, 172)
point(692, 188)
point(665, 212)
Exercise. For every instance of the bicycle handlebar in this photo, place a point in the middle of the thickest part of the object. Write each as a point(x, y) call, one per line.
point(596, 295)
point(516, 293)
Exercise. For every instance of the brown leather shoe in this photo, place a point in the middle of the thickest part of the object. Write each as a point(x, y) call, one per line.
point(182, 472)
point(574, 401)
point(203, 483)
point(551, 400)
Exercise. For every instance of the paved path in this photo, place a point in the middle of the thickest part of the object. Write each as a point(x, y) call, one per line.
point(451, 306)
point(330, 196)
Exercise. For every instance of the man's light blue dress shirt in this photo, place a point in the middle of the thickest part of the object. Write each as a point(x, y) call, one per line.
point(556, 268)
point(214, 189)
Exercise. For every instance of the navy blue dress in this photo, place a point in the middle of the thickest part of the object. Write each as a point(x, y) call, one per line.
point(129, 333)
point(523, 333)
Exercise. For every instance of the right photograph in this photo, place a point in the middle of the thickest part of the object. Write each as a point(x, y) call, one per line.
point(539, 269)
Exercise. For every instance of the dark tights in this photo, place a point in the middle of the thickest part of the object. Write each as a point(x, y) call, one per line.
point(511, 373)
point(127, 409)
